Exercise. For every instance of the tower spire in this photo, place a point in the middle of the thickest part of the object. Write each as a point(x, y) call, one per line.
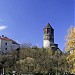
point(48, 25)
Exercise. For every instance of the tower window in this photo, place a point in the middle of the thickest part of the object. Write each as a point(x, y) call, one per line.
point(6, 43)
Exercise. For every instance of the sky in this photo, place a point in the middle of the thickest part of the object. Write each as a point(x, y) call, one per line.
point(24, 20)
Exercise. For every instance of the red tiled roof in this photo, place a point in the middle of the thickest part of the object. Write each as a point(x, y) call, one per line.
point(7, 39)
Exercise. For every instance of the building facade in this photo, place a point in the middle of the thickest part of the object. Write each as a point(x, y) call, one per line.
point(48, 37)
point(7, 44)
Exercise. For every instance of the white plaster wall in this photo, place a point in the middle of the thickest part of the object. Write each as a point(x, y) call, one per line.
point(0, 44)
point(8, 46)
point(15, 46)
point(46, 44)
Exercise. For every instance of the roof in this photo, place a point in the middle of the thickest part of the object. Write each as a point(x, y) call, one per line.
point(14, 42)
point(48, 26)
point(8, 39)
point(5, 38)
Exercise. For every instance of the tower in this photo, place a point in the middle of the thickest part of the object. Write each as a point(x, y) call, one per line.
point(48, 38)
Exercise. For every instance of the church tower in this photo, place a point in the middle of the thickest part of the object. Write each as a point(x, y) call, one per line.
point(48, 38)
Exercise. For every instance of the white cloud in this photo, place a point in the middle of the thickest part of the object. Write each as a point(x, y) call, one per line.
point(2, 27)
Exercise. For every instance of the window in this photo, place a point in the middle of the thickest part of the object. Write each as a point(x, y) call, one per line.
point(5, 43)
point(5, 48)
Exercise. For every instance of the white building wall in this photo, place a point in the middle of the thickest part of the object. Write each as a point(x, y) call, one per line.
point(4, 46)
point(0, 44)
point(46, 44)
point(15, 46)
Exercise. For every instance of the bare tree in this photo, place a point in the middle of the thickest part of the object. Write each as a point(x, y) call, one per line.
point(26, 45)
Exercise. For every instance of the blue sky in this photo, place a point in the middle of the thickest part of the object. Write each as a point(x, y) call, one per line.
point(24, 20)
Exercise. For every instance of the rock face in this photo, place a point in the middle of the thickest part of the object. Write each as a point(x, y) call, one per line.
point(48, 37)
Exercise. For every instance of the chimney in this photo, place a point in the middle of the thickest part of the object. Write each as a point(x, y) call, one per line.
point(2, 35)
